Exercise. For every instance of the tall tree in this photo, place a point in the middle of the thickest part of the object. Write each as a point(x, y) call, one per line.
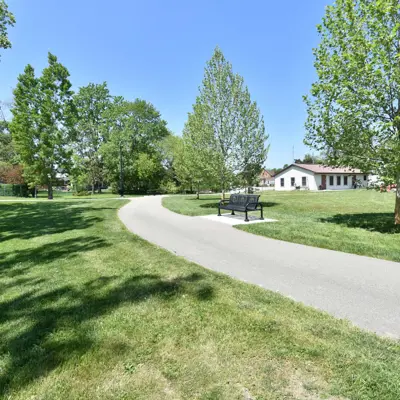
point(7, 151)
point(91, 102)
point(225, 127)
point(354, 107)
point(310, 159)
point(42, 123)
point(6, 19)
point(132, 129)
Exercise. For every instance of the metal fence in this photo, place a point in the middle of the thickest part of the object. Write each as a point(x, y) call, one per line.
point(18, 190)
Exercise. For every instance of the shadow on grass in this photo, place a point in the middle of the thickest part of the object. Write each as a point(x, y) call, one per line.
point(373, 222)
point(215, 205)
point(18, 262)
point(29, 220)
point(56, 320)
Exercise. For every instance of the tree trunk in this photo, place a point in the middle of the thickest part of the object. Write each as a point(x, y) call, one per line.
point(92, 187)
point(198, 193)
point(121, 172)
point(50, 190)
point(397, 206)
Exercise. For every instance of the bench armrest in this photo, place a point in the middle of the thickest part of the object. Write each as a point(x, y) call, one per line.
point(221, 202)
point(254, 203)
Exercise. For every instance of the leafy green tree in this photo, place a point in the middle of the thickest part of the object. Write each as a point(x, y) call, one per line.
point(6, 19)
point(132, 129)
point(149, 170)
point(7, 150)
point(225, 128)
point(354, 108)
point(43, 117)
point(310, 159)
point(91, 102)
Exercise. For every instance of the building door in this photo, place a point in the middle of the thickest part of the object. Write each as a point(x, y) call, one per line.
point(323, 182)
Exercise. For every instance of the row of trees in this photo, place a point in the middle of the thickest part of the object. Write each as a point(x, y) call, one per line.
point(96, 138)
point(89, 135)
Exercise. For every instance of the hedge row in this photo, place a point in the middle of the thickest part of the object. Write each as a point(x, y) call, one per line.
point(8, 189)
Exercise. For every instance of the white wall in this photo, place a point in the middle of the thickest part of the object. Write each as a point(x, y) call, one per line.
point(342, 186)
point(297, 174)
point(314, 181)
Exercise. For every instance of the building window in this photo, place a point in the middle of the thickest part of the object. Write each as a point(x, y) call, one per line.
point(303, 181)
point(365, 177)
point(338, 180)
point(282, 182)
point(345, 181)
point(331, 180)
point(292, 182)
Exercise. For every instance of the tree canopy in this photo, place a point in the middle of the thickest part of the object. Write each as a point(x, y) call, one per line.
point(42, 122)
point(225, 131)
point(91, 103)
point(354, 107)
point(134, 132)
point(6, 19)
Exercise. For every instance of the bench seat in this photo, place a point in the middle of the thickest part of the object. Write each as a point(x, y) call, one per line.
point(242, 203)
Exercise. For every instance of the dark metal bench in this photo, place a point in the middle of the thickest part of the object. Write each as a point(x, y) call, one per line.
point(241, 202)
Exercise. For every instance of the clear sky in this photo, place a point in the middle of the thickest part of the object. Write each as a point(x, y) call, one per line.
point(157, 50)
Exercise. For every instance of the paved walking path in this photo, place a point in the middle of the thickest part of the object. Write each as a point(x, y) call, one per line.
point(361, 289)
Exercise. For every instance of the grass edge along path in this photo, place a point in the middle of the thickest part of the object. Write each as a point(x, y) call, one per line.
point(90, 311)
point(354, 221)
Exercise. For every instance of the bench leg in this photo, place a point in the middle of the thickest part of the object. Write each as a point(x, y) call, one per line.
point(262, 213)
point(247, 218)
point(233, 212)
point(219, 212)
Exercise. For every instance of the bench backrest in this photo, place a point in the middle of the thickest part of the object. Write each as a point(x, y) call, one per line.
point(244, 199)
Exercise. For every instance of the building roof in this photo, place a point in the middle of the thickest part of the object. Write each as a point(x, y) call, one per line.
point(266, 173)
point(324, 169)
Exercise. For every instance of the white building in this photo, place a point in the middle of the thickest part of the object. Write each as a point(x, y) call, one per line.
point(320, 177)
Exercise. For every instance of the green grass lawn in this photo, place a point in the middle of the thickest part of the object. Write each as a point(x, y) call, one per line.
point(354, 221)
point(58, 195)
point(91, 311)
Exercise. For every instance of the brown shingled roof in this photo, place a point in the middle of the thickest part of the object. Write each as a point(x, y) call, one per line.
point(326, 169)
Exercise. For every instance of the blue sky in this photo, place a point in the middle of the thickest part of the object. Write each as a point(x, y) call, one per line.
point(157, 50)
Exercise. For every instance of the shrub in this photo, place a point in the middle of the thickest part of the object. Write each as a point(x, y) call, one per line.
point(81, 193)
point(169, 187)
point(19, 190)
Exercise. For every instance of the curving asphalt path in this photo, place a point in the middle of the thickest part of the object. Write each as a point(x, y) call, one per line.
point(364, 290)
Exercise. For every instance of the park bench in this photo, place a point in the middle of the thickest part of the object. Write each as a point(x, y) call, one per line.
point(242, 203)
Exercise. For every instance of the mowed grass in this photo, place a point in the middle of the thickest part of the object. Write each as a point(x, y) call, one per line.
point(91, 311)
point(353, 221)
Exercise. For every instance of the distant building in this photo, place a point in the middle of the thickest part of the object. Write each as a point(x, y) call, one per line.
point(321, 177)
point(267, 178)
